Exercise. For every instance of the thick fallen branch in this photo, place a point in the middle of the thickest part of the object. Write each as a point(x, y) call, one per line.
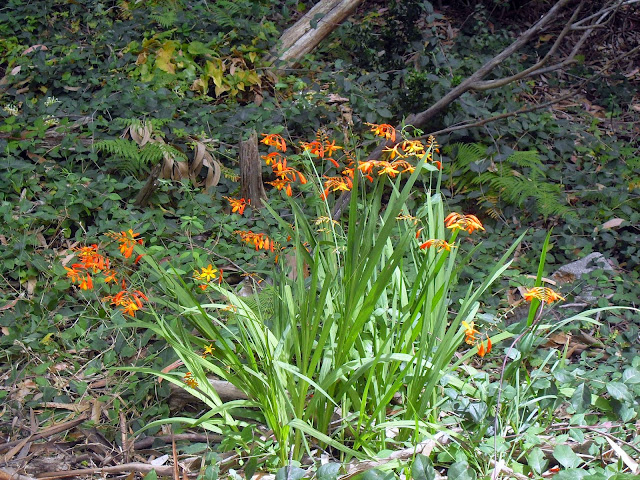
point(301, 38)
point(47, 432)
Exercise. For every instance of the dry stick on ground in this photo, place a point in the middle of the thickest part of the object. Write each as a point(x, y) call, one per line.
point(475, 82)
point(148, 442)
point(136, 467)
point(47, 432)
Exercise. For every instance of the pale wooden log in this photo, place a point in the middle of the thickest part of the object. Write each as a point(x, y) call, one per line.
point(301, 38)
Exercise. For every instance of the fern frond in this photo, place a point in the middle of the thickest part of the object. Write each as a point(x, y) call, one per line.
point(120, 147)
point(166, 18)
point(227, 12)
point(466, 153)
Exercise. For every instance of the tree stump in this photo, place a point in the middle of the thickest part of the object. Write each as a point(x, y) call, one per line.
point(251, 184)
point(144, 195)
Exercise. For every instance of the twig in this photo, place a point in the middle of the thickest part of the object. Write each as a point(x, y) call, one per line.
point(138, 467)
point(124, 438)
point(500, 467)
point(190, 437)
point(423, 448)
point(47, 432)
point(4, 475)
point(595, 429)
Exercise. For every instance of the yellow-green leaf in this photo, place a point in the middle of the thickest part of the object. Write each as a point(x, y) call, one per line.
point(164, 56)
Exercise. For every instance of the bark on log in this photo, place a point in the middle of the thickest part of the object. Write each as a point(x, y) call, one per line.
point(251, 184)
point(144, 195)
point(301, 38)
point(227, 392)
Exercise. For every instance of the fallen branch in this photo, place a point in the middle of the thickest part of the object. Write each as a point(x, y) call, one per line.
point(148, 442)
point(47, 432)
point(301, 38)
point(135, 467)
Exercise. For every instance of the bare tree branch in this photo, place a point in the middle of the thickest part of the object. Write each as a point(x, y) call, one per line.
point(474, 82)
point(422, 118)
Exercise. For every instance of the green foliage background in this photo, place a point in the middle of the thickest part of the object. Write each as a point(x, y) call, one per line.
point(111, 64)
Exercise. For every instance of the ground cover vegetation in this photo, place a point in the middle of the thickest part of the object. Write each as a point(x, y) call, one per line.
point(456, 306)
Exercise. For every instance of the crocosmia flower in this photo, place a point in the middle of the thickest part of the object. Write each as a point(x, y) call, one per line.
point(274, 140)
point(384, 130)
point(470, 223)
point(544, 294)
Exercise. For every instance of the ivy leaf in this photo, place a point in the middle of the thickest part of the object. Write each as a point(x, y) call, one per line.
point(566, 456)
point(619, 391)
point(631, 375)
point(461, 471)
point(581, 398)
point(422, 468)
point(571, 474)
point(290, 473)
point(376, 474)
point(537, 461)
point(328, 471)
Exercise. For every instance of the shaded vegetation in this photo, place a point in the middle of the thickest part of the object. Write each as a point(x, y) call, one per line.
point(84, 83)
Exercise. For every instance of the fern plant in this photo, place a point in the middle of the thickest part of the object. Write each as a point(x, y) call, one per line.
point(519, 179)
point(135, 160)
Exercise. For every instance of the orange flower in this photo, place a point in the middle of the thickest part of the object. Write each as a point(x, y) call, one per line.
point(238, 205)
point(470, 333)
point(544, 294)
point(336, 183)
point(110, 276)
point(86, 252)
point(86, 283)
point(393, 152)
point(406, 166)
point(281, 183)
point(387, 169)
point(207, 274)
point(273, 157)
point(471, 339)
point(463, 222)
point(127, 241)
point(288, 173)
point(274, 140)
point(190, 381)
point(259, 240)
point(436, 242)
point(482, 351)
point(129, 302)
point(329, 148)
point(384, 130)
point(316, 147)
point(130, 307)
point(96, 262)
point(73, 274)
point(367, 166)
point(412, 147)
